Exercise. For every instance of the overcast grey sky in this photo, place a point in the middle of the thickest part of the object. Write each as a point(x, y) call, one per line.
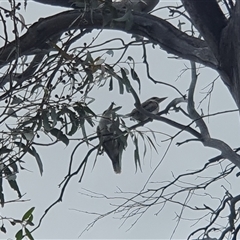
point(65, 220)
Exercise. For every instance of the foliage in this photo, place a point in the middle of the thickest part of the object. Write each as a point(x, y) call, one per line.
point(49, 75)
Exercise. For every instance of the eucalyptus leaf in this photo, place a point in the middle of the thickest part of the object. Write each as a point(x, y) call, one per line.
point(35, 87)
point(19, 235)
point(60, 135)
point(152, 144)
point(28, 233)
point(136, 78)
point(38, 159)
point(121, 87)
point(11, 112)
point(46, 124)
point(28, 214)
point(110, 52)
point(125, 79)
point(1, 190)
point(33, 152)
point(13, 184)
point(28, 134)
point(136, 154)
point(75, 124)
point(4, 150)
point(54, 116)
point(3, 229)
point(13, 165)
point(16, 100)
point(111, 84)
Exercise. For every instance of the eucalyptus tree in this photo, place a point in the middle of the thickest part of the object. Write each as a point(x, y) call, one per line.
point(48, 73)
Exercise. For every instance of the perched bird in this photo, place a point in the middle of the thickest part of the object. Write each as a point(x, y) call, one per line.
point(151, 105)
point(112, 139)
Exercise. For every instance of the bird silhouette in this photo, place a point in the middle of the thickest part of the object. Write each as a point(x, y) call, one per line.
point(111, 138)
point(151, 105)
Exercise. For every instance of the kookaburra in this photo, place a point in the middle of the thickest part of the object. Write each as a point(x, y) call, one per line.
point(151, 105)
point(111, 137)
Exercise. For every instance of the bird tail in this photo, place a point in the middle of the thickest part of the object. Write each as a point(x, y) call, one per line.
point(116, 167)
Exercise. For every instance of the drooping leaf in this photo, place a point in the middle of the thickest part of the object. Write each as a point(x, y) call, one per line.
point(125, 79)
point(13, 222)
point(130, 58)
point(19, 235)
point(33, 152)
point(136, 154)
point(22, 21)
point(46, 124)
point(35, 87)
point(3, 229)
point(121, 88)
point(89, 75)
point(13, 165)
point(30, 219)
point(75, 124)
point(125, 71)
point(144, 144)
point(89, 58)
point(28, 214)
point(136, 78)
point(110, 52)
point(29, 235)
point(38, 159)
point(4, 150)
point(111, 84)
point(27, 122)
point(99, 61)
point(1, 189)
point(11, 112)
point(28, 134)
point(54, 116)
point(88, 117)
point(11, 178)
point(60, 135)
point(88, 110)
point(152, 144)
point(39, 123)
point(16, 100)
point(13, 184)
point(30, 223)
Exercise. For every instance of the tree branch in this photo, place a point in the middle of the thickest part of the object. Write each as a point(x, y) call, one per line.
point(207, 141)
point(209, 20)
point(155, 29)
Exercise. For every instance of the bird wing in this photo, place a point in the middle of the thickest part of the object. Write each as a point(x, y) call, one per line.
point(110, 137)
point(151, 106)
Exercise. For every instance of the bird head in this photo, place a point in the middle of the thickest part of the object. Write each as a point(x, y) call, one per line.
point(157, 99)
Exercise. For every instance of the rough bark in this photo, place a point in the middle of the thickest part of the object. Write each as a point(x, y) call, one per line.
point(208, 18)
point(155, 29)
point(222, 36)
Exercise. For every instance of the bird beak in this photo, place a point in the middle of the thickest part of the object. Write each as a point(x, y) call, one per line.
point(161, 99)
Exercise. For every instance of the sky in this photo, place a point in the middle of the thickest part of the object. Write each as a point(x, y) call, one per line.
point(69, 219)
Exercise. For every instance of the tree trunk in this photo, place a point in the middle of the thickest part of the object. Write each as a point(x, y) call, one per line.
point(222, 36)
